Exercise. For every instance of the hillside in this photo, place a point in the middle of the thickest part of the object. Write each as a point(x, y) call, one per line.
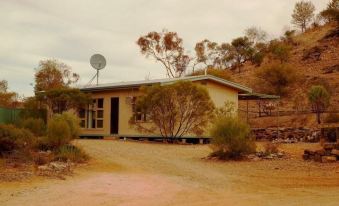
point(315, 57)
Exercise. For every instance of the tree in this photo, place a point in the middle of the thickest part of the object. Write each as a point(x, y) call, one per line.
point(52, 87)
point(175, 110)
point(166, 48)
point(279, 50)
point(63, 99)
point(210, 54)
point(221, 73)
point(242, 51)
point(319, 98)
point(6, 98)
point(303, 14)
point(52, 74)
point(256, 34)
point(33, 109)
point(331, 13)
point(276, 78)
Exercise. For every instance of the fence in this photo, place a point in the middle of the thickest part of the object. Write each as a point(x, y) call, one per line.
point(8, 116)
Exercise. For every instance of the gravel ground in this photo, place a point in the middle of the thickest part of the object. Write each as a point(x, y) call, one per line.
point(134, 173)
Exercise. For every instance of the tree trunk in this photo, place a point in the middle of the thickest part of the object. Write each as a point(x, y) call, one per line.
point(318, 117)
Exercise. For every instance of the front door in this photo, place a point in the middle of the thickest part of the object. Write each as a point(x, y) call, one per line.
point(115, 115)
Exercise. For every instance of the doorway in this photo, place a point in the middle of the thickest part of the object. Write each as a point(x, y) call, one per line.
point(115, 115)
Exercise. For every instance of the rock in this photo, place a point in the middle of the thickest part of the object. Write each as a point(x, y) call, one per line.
point(59, 166)
point(44, 168)
point(335, 152)
point(317, 158)
point(306, 156)
point(332, 34)
point(313, 54)
point(251, 156)
point(329, 146)
point(331, 69)
point(260, 154)
point(328, 159)
point(280, 155)
point(270, 156)
point(320, 152)
point(308, 152)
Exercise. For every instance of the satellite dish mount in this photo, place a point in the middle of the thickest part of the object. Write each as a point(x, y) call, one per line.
point(98, 62)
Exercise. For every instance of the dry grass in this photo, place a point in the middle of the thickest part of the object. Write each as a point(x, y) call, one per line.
point(311, 36)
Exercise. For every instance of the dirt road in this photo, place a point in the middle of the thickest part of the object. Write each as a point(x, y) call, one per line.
point(130, 173)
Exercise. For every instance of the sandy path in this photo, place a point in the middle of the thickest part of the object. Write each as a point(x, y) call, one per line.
point(127, 173)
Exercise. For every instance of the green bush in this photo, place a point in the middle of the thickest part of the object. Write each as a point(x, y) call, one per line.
point(13, 138)
point(230, 138)
point(36, 126)
point(58, 133)
point(72, 121)
point(71, 153)
point(61, 129)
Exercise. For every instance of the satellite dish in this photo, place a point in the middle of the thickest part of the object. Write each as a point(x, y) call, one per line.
point(98, 62)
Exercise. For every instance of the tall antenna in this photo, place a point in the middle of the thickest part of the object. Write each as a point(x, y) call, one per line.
point(98, 62)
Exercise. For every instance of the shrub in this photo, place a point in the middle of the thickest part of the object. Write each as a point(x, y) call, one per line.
point(71, 153)
point(279, 50)
point(230, 138)
point(275, 79)
point(36, 126)
point(271, 148)
point(72, 121)
point(42, 158)
point(12, 138)
point(176, 109)
point(258, 58)
point(61, 129)
point(58, 133)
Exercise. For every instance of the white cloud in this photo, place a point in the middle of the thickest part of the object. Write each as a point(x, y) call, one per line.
point(72, 30)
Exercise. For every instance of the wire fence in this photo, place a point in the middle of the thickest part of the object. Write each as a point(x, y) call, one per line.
point(281, 113)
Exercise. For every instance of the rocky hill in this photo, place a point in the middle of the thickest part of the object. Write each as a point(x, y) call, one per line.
point(315, 57)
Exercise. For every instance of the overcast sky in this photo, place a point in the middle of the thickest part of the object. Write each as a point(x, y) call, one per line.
point(72, 30)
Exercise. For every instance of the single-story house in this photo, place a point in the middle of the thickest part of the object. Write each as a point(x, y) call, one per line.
point(112, 106)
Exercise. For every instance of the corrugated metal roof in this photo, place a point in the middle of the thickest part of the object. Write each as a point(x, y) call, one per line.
point(133, 84)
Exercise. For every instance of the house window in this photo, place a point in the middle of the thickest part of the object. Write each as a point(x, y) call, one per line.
point(100, 123)
point(100, 114)
point(100, 103)
point(92, 116)
point(139, 116)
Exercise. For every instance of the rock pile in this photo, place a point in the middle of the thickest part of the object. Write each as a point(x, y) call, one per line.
point(329, 153)
point(55, 169)
point(268, 156)
point(286, 135)
point(331, 69)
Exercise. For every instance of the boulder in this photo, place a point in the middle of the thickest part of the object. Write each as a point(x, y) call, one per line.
point(317, 158)
point(328, 159)
point(329, 146)
point(320, 152)
point(306, 156)
point(335, 152)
